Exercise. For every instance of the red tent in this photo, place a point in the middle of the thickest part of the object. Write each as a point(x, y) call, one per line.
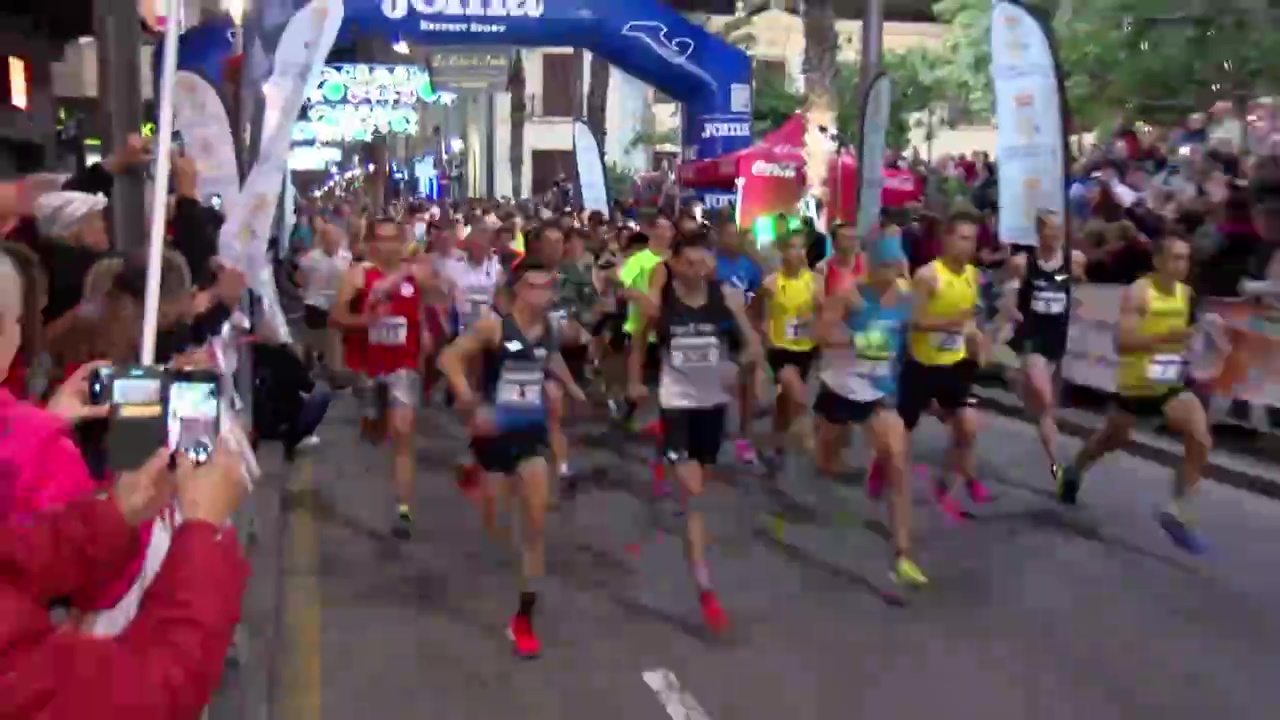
point(779, 152)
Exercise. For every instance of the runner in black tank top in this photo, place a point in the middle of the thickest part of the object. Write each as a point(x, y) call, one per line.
point(1044, 299)
point(508, 418)
point(698, 330)
point(1038, 289)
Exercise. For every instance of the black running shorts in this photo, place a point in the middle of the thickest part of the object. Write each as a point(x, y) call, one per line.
point(505, 452)
point(837, 409)
point(1147, 406)
point(693, 434)
point(919, 386)
point(1031, 342)
point(801, 360)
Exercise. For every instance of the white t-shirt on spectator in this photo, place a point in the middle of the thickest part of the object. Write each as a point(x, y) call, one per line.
point(321, 275)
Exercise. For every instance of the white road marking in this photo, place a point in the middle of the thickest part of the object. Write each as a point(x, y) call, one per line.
point(679, 704)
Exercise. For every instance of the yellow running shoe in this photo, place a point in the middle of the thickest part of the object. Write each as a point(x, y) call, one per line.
point(906, 572)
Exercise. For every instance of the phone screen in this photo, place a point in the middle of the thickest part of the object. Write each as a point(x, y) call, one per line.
point(215, 202)
point(137, 397)
point(193, 418)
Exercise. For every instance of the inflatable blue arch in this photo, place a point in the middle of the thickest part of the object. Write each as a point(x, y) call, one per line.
point(644, 38)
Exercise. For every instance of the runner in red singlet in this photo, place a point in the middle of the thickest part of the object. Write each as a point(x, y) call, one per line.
point(846, 265)
point(389, 296)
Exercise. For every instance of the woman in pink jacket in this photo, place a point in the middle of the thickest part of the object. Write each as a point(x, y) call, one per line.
point(41, 468)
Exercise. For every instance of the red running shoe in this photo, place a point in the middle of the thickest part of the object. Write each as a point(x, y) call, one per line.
point(712, 614)
point(652, 430)
point(468, 477)
point(523, 642)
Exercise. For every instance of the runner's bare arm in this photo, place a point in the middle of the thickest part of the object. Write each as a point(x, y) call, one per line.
point(651, 299)
point(340, 314)
point(560, 372)
point(1129, 338)
point(635, 354)
point(831, 330)
point(1078, 263)
point(459, 355)
point(752, 350)
point(1015, 271)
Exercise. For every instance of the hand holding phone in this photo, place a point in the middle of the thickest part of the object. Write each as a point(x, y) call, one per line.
point(193, 414)
point(77, 398)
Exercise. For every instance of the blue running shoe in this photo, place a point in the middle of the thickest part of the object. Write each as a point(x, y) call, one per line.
point(1181, 533)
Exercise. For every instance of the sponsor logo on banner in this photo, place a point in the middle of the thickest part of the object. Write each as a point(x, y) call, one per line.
point(762, 168)
point(464, 16)
point(716, 129)
point(715, 201)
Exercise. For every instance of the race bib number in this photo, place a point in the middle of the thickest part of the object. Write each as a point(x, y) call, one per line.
point(471, 308)
point(1048, 303)
point(1165, 369)
point(694, 352)
point(869, 367)
point(947, 341)
point(797, 329)
point(520, 388)
point(389, 331)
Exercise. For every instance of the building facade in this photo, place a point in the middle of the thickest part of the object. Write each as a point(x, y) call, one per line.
point(28, 141)
point(479, 125)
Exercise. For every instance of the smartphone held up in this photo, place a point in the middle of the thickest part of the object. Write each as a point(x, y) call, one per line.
point(150, 407)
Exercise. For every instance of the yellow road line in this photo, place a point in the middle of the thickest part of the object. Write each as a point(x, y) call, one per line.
point(301, 696)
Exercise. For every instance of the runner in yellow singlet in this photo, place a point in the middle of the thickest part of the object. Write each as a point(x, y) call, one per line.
point(792, 296)
point(1157, 321)
point(945, 348)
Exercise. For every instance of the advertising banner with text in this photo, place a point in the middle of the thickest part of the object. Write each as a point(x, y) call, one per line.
point(1246, 370)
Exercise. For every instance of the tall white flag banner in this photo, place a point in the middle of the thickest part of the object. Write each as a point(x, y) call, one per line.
point(299, 55)
point(1029, 133)
point(198, 113)
point(875, 124)
point(591, 180)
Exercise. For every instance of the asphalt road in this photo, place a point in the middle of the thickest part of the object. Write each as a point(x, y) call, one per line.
point(1034, 612)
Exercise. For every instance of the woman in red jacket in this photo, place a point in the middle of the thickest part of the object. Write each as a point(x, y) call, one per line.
point(168, 662)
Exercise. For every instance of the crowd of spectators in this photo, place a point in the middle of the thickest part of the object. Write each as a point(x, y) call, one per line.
point(119, 592)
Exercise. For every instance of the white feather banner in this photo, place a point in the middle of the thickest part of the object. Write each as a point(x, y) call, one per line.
point(299, 56)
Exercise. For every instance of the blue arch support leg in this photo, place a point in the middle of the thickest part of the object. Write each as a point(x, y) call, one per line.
point(643, 38)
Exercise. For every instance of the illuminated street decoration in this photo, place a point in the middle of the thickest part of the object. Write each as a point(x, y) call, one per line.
point(354, 123)
point(355, 102)
point(376, 84)
point(314, 157)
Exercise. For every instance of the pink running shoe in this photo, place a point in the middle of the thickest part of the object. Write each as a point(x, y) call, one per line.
point(978, 492)
point(875, 479)
point(950, 508)
point(745, 452)
point(947, 503)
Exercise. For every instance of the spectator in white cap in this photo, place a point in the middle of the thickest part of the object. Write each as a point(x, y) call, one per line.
point(75, 218)
point(73, 236)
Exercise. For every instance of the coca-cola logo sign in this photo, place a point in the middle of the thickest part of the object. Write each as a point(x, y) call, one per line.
point(762, 168)
point(899, 181)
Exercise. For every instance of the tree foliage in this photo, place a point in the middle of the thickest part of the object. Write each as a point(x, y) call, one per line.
point(1153, 60)
point(919, 81)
